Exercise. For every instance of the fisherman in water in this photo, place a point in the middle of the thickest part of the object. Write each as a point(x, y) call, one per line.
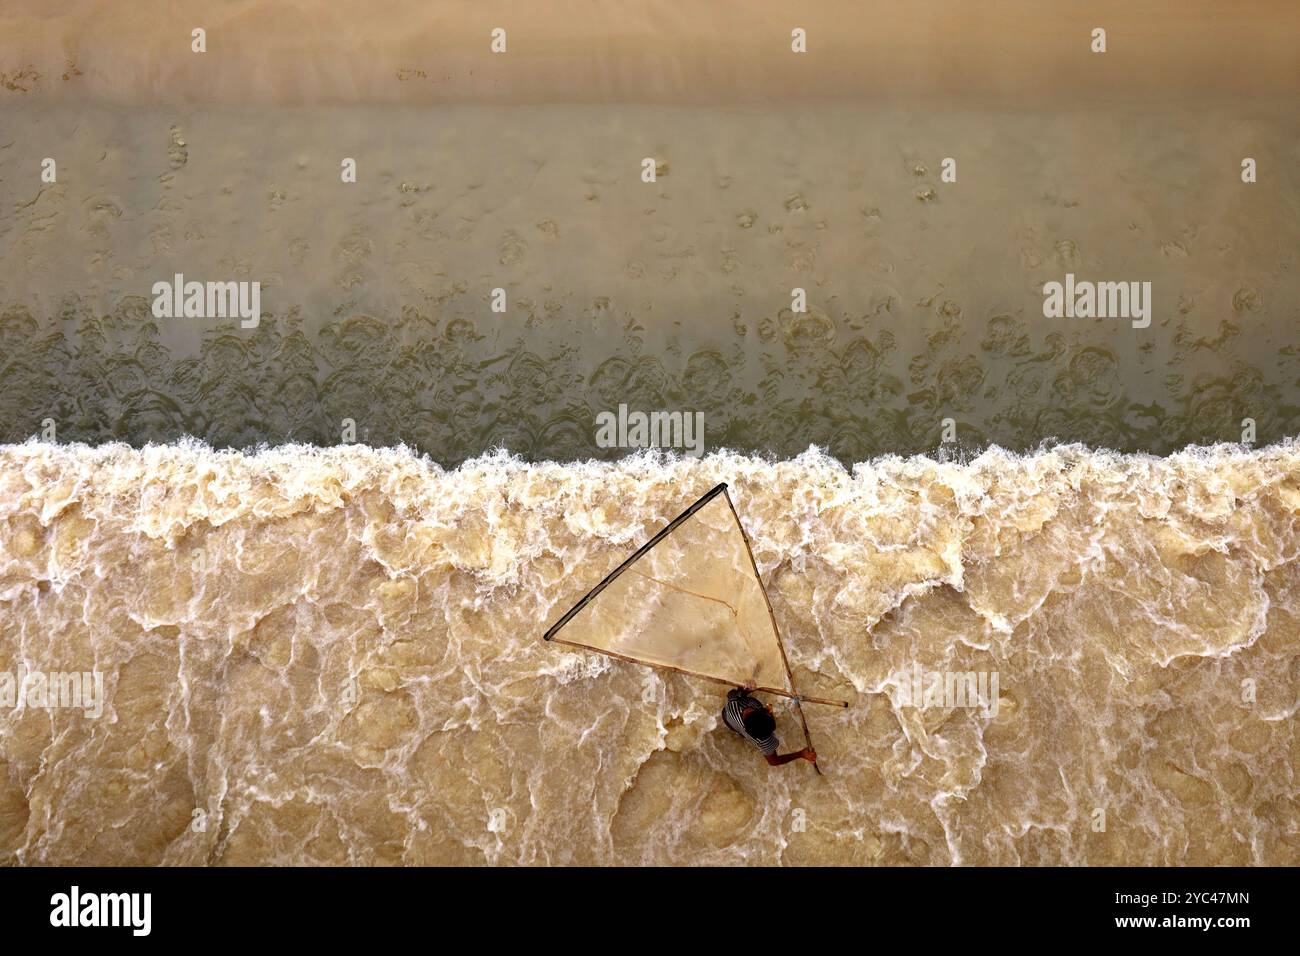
point(753, 720)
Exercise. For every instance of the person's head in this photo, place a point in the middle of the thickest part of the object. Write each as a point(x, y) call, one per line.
point(759, 723)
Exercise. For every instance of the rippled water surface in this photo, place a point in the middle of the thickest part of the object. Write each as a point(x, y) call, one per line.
point(924, 298)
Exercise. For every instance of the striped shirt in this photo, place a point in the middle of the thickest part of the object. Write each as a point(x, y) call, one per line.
point(739, 701)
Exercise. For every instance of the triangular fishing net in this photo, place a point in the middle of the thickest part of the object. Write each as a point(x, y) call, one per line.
point(690, 600)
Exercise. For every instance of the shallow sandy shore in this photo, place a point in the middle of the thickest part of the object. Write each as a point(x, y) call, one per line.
point(413, 51)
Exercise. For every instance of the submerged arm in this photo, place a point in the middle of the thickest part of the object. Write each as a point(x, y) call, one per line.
point(777, 760)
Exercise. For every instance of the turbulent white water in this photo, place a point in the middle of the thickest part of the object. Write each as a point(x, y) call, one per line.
point(334, 655)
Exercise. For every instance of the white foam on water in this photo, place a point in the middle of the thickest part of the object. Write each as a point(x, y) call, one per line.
point(335, 654)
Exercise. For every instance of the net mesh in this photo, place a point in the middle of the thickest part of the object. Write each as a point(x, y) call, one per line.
point(692, 602)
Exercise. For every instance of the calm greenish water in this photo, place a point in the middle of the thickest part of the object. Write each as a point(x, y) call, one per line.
point(924, 297)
